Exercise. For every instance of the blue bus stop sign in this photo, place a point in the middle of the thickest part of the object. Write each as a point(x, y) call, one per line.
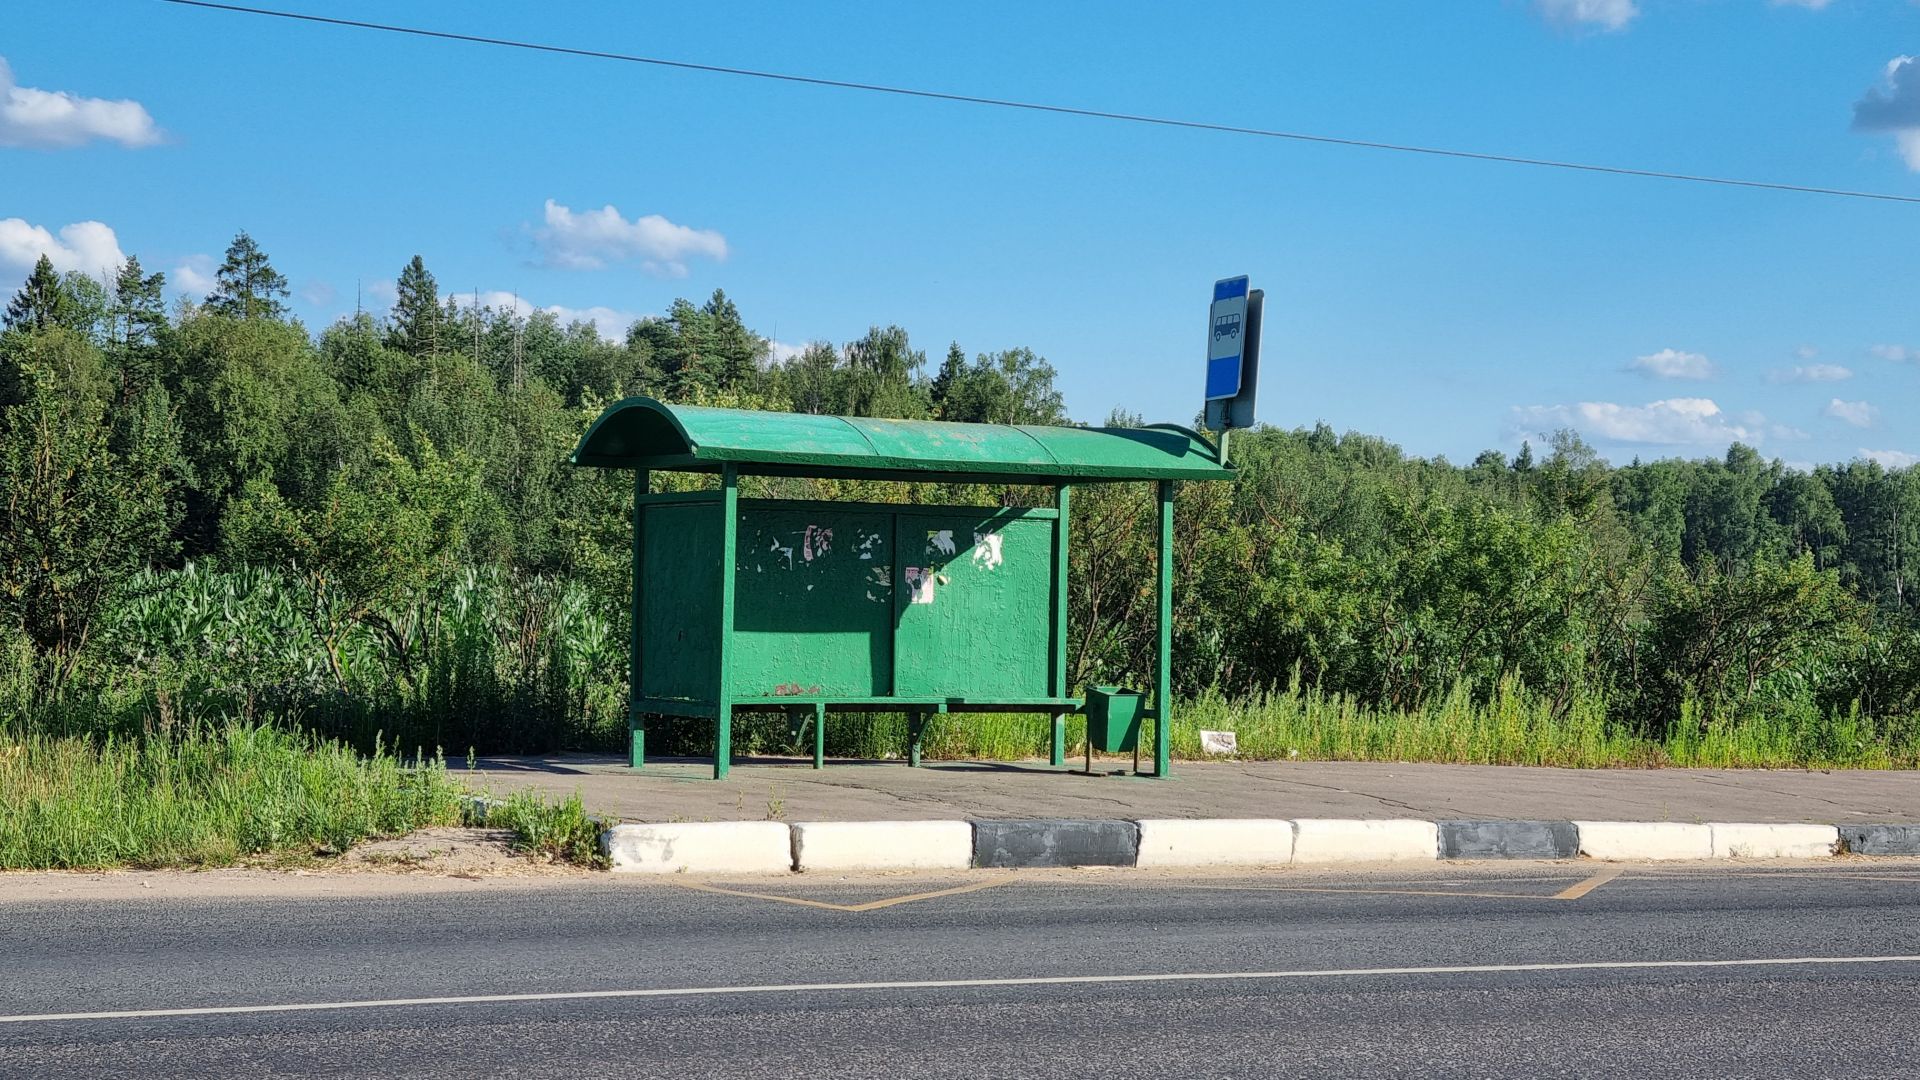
point(1226, 337)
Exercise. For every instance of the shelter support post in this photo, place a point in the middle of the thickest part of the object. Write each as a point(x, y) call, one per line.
point(1163, 669)
point(1061, 498)
point(820, 735)
point(723, 689)
point(636, 723)
point(917, 727)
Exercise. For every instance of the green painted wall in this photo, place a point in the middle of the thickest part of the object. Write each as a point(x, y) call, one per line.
point(978, 622)
point(823, 607)
point(813, 607)
point(681, 595)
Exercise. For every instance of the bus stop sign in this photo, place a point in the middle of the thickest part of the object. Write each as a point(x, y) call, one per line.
point(1233, 354)
point(1226, 337)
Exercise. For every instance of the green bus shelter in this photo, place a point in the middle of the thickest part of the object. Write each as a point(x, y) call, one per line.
point(804, 606)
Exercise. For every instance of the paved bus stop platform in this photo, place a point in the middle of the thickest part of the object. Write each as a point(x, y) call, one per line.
point(761, 789)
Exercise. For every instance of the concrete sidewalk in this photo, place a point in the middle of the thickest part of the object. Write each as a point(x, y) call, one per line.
point(863, 791)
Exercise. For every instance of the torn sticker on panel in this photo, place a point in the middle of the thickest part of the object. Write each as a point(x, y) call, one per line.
point(986, 551)
point(783, 550)
point(941, 542)
point(919, 584)
point(816, 542)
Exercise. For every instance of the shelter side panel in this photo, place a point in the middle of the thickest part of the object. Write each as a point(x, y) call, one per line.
point(974, 605)
point(813, 603)
point(680, 601)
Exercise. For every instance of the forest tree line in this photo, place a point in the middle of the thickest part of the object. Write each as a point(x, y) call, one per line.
point(208, 509)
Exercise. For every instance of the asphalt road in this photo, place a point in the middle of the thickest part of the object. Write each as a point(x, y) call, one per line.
point(1316, 977)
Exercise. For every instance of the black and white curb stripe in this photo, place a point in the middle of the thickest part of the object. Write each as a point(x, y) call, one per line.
point(772, 847)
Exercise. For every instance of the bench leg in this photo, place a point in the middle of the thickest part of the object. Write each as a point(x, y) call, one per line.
point(820, 736)
point(914, 721)
point(1059, 754)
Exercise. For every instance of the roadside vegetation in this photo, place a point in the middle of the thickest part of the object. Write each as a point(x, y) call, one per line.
point(558, 830)
point(219, 527)
point(207, 797)
point(1512, 727)
point(217, 796)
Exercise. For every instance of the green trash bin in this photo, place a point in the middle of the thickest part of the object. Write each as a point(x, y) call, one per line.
point(1113, 719)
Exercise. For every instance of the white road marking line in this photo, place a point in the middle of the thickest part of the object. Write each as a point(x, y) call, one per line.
point(951, 984)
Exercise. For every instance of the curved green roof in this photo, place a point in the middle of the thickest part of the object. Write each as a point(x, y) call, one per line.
point(641, 433)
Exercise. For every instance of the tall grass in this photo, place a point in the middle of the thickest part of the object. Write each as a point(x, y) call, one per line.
point(490, 660)
point(1511, 726)
point(206, 796)
point(514, 663)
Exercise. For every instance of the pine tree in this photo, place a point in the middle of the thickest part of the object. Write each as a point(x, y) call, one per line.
point(139, 322)
point(952, 371)
point(248, 285)
point(737, 351)
point(42, 302)
point(417, 315)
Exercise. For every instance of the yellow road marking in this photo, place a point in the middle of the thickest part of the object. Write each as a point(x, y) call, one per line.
point(1580, 889)
point(871, 905)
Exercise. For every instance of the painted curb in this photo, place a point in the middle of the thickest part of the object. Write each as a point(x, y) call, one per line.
point(1340, 840)
point(882, 845)
point(1637, 840)
point(709, 847)
point(770, 847)
point(1881, 839)
point(1055, 843)
point(1215, 842)
point(1756, 841)
point(1509, 840)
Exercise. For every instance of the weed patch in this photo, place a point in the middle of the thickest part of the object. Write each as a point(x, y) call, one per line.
point(208, 797)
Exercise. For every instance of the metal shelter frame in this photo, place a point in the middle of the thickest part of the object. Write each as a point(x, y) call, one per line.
point(646, 435)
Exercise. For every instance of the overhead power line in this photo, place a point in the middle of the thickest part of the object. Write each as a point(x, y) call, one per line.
point(1043, 107)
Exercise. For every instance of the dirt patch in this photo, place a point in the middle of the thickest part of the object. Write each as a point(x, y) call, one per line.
point(450, 851)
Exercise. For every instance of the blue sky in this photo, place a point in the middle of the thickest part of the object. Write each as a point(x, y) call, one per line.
point(1448, 305)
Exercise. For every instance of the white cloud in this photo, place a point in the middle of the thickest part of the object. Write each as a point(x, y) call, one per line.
point(54, 118)
point(1672, 422)
point(319, 293)
point(609, 323)
point(1899, 354)
point(780, 352)
point(1806, 352)
point(1605, 14)
point(1892, 459)
point(1894, 108)
point(592, 239)
point(1857, 413)
point(194, 274)
point(1810, 5)
point(1674, 364)
point(87, 246)
point(1812, 373)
